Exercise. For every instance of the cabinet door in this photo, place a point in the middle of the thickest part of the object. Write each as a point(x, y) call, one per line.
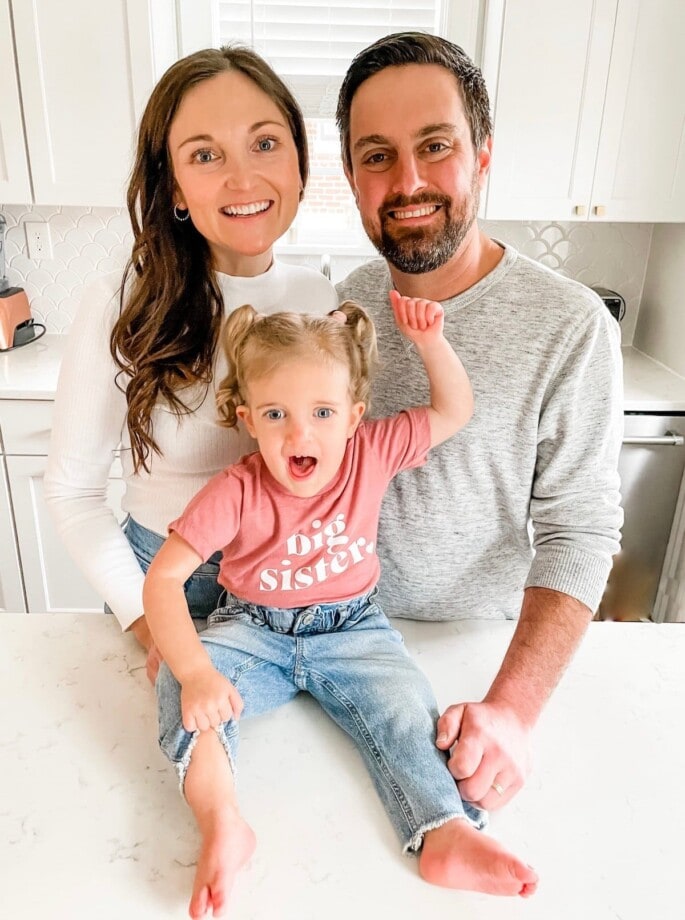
point(15, 186)
point(85, 70)
point(640, 171)
point(546, 70)
point(11, 593)
point(52, 581)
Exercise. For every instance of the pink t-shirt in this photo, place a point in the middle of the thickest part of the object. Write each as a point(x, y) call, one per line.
point(280, 550)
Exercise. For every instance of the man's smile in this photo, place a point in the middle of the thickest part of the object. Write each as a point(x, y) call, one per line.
point(409, 213)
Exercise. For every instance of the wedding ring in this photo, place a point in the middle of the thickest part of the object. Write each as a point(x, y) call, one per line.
point(498, 789)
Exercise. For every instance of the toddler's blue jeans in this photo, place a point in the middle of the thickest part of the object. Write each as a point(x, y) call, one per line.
point(349, 657)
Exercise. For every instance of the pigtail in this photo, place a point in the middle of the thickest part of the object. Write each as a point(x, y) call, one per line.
point(235, 331)
point(363, 353)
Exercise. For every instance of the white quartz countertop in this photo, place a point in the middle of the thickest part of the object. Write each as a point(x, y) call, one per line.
point(650, 386)
point(31, 373)
point(92, 825)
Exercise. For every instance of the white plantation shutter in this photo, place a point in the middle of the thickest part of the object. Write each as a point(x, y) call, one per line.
point(311, 43)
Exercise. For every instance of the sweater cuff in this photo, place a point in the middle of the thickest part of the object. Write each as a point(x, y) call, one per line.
point(571, 571)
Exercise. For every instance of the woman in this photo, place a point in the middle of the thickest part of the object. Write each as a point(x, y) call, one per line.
point(220, 168)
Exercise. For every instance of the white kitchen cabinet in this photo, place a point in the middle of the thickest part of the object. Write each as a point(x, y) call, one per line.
point(51, 581)
point(589, 110)
point(11, 592)
point(15, 184)
point(640, 172)
point(85, 71)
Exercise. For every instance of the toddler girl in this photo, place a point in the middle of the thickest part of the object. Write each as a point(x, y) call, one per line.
point(297, 522)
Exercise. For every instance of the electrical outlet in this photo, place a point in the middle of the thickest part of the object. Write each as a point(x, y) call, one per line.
point(38, 240)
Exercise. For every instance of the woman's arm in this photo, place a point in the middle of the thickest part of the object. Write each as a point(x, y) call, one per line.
point(89, 418)
point(421, 321)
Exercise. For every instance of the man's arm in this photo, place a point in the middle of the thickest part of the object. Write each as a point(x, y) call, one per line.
point(576, 517)
point(496, 733)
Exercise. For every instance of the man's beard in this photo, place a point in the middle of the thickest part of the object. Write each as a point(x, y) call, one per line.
point(424, 249)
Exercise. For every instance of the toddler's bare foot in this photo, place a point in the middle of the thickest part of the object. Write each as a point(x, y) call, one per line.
point(227, 844)
point(456, 855)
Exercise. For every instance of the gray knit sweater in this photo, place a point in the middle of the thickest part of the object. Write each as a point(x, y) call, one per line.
point(527, 493)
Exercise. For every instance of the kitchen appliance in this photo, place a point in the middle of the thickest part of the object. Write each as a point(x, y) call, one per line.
point(17, 326)
point(613, 301)
point(651, 466)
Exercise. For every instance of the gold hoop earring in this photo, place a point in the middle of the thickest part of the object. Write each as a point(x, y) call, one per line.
point(181, 217)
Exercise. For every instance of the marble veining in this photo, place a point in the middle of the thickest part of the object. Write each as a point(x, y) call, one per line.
point(92, 825)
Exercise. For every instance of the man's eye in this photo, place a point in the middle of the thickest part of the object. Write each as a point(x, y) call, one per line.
point(375, 158)
point(323, 412)
point(436, 147)
point(274, 414)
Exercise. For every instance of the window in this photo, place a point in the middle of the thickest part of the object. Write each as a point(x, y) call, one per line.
point(310, 44)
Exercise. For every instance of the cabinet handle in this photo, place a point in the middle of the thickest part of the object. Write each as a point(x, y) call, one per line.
point(600, 210)
point(580, 210)
point(668, 440)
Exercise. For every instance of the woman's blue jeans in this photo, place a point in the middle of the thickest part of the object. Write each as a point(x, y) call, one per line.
point(347, 656)
point(202, 590)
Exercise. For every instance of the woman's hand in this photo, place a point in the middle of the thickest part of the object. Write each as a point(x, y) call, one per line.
point(208, 699)
point(141, 631)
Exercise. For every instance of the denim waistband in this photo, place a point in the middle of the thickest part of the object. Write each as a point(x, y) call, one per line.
point(316, 618)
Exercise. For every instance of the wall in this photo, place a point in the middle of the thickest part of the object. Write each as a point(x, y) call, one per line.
point(89, 241)
point(660, 330)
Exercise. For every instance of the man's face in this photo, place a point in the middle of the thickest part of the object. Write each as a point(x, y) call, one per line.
point(415, 174)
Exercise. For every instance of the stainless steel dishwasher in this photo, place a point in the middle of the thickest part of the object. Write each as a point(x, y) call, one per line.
point(651, 465)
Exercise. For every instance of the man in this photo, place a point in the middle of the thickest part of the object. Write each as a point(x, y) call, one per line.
point(543, 356)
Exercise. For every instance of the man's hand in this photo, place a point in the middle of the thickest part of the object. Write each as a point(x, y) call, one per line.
point(490, 751)
point(140, 630)
point(208, 699)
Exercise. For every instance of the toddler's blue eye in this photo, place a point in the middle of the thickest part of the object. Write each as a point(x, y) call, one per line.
point(274, 414)
point(323, 412)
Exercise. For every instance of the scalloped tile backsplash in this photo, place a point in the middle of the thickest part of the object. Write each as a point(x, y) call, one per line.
point(89, 241)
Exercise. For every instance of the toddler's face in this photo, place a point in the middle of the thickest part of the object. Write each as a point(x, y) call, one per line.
point(302, 416)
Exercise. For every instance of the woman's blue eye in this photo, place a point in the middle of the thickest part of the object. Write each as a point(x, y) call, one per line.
point(266, 143)
point(323, 412)
point(204, 156)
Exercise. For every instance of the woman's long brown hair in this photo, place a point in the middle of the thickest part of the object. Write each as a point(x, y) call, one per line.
point(171, 305)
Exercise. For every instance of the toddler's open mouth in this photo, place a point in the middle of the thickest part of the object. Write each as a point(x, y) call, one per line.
point(301, 467)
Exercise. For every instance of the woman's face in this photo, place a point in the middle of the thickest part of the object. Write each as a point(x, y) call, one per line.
point(236, 170)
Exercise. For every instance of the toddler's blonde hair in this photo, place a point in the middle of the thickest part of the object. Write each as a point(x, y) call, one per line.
point(255, 345)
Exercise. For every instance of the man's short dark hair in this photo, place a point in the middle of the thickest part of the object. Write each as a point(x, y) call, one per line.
point(416, 48)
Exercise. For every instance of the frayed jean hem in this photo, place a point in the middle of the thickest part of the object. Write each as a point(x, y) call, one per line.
point(413, 847)
point(181, 766)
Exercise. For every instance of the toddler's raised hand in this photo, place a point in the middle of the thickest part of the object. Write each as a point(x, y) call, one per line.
point(421, 321)
point(207, 700)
